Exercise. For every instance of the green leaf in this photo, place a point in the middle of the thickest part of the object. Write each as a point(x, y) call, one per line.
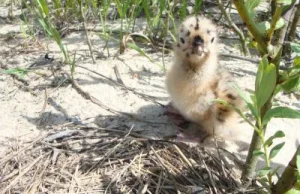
point(120, 8)
point(290, 84)
point(172, 36)
point(274, 171)
point(156, 22)
point(284, 2)
point(197, 6)
point(292, 191)
point(278, 134)
point(20, 72)
point(146, 7)
point(258, 153)
point(264, 171)
point(264, 180)
point(139, 50)
point(263, 63)
point(44, 7)
point(296, 48)
point(183, 8)
point(58, 7)
point(297, 61)
point(280, 112)
point(251, 4)
point(279, 24)
point(277, 90)
point(126, 6)
point(246, 97)
point(274, 151)
point(265, 82)
point(45, 26)
point(264, 26)
point(162, 6)
point(225, 103)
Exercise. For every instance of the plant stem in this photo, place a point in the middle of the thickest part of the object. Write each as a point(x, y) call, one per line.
point(273, 6)
point(295, 22)
point(292, 31)
point(279, 37)
point(258, 35)
point(122, 46)
point(288, 177)
point(276, 17)
point(86, 33)
point(252, 60)
point(257, 142)
point(105, 34)
point(165, 39)
point(267, 157)
point(10, 13)
point(251, 161)
point(263, 42)
point(235, 28)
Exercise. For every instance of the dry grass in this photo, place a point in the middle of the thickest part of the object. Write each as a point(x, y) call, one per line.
point(98, 160)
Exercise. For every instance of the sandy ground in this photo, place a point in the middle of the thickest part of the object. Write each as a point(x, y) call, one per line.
point(29, 110)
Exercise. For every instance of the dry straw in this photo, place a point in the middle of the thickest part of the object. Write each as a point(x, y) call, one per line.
point(99, 160)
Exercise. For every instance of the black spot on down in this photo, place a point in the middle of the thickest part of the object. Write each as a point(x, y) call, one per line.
point(182, 40)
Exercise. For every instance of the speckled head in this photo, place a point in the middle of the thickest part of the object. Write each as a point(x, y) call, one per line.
point(197, 37)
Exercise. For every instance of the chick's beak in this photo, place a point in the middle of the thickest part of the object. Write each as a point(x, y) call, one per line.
point(198, 46)
point(197, 41)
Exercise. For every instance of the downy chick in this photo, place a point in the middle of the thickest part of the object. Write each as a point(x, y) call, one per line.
point(195, 79)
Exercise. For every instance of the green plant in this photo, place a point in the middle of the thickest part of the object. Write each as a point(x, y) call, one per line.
point(42, 13)
point(20, 72)
point(234, 26)
point(83, 17)
point(268, 38)
point(26, 30)
point(289, 182)
point(56, 16)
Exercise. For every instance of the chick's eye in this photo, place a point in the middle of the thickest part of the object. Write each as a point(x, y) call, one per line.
point(212, 40)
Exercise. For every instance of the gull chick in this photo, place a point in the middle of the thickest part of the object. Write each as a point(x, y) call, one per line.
point(196, 79)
